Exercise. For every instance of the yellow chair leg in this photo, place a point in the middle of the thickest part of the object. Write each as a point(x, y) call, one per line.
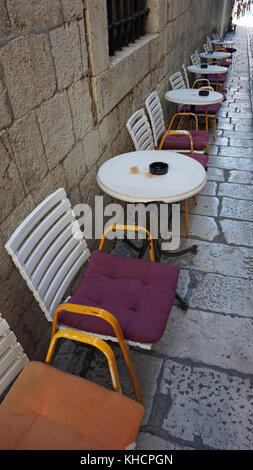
point(186, 219)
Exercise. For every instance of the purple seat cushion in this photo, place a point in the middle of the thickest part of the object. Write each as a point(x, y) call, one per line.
point(221, 78)
point(224, 95)
point(182, 142)
point(225, 64)
point(211, 109)
point(199, 157)
point(140, 294)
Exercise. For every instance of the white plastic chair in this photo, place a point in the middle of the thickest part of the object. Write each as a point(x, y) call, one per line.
point(12, 357)
point(140, 131)
point(209, 43)
point(177, 81)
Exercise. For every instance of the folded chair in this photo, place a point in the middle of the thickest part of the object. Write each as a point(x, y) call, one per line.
point(177, 142)
point(48, 409)
point(141, 134)
point(121, 299)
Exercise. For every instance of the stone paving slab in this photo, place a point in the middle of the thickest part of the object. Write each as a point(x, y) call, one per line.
point(209, 338)
point(208, 405)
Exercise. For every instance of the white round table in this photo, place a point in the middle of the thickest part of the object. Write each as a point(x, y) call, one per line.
point(218, 42)
point(127, 177)
point(219, 55)
point(191, 96)
point(209, 70)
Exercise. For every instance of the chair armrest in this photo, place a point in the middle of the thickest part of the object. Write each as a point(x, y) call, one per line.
point(184, 114)
point(134, 228)
point(94, 341)
point(112, 320)
point(177, 132)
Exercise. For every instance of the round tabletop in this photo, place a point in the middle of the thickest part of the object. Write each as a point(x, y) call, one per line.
point(210, 70)
point(221, 43)
point(215, 55)
point(127, 177)
point(191, 96)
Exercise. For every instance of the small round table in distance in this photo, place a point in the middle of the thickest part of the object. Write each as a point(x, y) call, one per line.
point(209, 70)
point(218, 55)
point(191, 96)
point(185, 178)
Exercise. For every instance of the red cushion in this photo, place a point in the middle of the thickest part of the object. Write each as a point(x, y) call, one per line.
point(182, 142)
point(200, 157)
point(140, 294)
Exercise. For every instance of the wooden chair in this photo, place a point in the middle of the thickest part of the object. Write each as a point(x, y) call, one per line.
point(48, 409)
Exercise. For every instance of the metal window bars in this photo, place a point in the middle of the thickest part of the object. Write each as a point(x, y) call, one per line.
point(126, 22)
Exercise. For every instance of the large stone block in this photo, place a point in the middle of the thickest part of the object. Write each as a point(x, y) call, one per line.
point(28, 72)
point(67, 54)
point(83, 45)
point(80, 102)
point(74, 166)
point(72, 9)
point(97, 30)
point(131, 67)
point(17, 216)
point(31, 13)
point(28, 149)
point(4, 21)
point(53, 180)
point(92, 148)
point(55, 123)
point(5, 116)
point(11, 187)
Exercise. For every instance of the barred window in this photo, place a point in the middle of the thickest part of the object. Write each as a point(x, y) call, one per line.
point(126, 22)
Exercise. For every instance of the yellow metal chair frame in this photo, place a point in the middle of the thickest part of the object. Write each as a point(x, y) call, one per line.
point(93, 341)
point(105, 315)
point(188, 134)
point(208, 116)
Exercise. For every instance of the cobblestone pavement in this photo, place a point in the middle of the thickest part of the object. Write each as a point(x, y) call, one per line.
point(196, 383)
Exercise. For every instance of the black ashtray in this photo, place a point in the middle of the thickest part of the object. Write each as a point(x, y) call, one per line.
point(203, 92)
point(204, 66)
point(158, 168)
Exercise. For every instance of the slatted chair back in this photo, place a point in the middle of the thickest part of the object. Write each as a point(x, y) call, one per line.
point(209, 43)
point(198, 57)
point(155, 113)
point(48, 249)
point(177, 81)
point(12, 357)
point(185, 75)
point(206, 48)
point(140, 131)
point(194, 59)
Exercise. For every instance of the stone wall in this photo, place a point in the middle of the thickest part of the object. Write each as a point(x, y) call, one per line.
point(64, 105)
